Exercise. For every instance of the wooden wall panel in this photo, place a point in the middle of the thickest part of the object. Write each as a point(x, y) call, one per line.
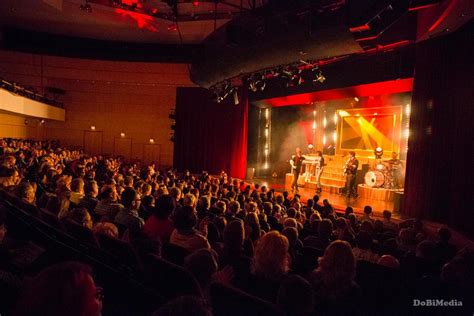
point(131, 97)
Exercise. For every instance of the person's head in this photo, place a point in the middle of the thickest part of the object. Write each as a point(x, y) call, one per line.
point(296, 296)
point(234, 234)
point(271, 259)
point(387, 215)
point(175, 193)
point(204, 203)
point(389, 262)
point(341, 223)
point(290, 222)
point(164, 206)
point(106, 228)
point(364, 240)
point(349, 210)
point(234, 207)
point(319, 153)
point(337, 265)
point(65, 288)
point(444, 234)
point(298, 151)
point(291, 233)
point(325, 229)
point(91, 188)
point(128, 181)
point(394, 155)
point(352, 154)
point(202, 264)
point(367, 210)
point(426, 249)
point(221, 206)
point(130, 199)
point(77, 185)
point(81, 216)
point(189, 200)
point(184, 218)
point(26, 192)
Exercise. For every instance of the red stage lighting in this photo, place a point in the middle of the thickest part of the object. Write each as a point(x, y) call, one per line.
point(196, 3)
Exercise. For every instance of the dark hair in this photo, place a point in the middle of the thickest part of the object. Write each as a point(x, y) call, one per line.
point(164, 206)
point(57, 290)
point(387, 214)
point(349, 210)
point(444, 234)
point(352, 153)
point(128, 196)
point(364, 240)
point(89, 186)
point(184, 218)
point(367, 209)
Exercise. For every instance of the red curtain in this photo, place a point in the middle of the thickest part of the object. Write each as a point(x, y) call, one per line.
point(208, 135)
point(439, 177)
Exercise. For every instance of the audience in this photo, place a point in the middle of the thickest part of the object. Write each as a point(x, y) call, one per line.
point(220, 230)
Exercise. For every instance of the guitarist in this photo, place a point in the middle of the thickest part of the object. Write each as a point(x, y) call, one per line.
point(296, 162)
point(350, 171)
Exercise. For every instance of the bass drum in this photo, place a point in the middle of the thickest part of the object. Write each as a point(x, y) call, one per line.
point(374, 179)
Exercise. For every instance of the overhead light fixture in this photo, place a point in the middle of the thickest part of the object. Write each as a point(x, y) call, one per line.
point(86, 7)
point(152, 140)
point(42, 122)
point(92, 128)
point(378, 152)
point(122, 134)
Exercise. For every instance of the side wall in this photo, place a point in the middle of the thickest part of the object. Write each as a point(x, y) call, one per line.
point(130, 97)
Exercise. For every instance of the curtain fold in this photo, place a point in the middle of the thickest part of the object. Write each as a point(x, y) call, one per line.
point(439, 173)
point(208, 135)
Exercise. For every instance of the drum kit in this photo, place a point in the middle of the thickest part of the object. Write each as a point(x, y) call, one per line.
point(380, 177)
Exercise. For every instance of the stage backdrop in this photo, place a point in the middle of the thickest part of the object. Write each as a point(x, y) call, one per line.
point(208, 135)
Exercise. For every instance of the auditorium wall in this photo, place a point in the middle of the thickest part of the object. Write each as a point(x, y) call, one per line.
point(134, 98)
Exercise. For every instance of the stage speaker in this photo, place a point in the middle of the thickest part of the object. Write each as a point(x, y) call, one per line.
point(398, 202)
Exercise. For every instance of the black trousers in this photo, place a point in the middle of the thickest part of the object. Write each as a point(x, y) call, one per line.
point(296, 175)
point(351, 184)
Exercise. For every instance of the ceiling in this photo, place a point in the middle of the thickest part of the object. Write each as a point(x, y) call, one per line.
point(141, 21)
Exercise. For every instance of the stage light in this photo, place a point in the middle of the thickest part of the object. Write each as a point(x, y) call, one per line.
point(375, 114)
point(265, 166)
point(407, 109)
point(42, 122)
point(356, 99)
point(343, 113)
point(86, 7)
point(407, 133)
point(324, 140)
point(334, 137)
point(92, 128)
point(310, 146)
point(122, 134)
point(266, 132)
point(314, 113)
point(319, 77)
point(335, 118)
point(378, 152)
point(324, 122)
point(267, 113)
point(152, 140)
point(314, 124)
point(236, 97)
point(266, 152)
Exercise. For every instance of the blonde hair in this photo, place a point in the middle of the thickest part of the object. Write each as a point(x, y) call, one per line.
point(106, 228)
point(337, 266)
point(271, 259)
point(189, 200)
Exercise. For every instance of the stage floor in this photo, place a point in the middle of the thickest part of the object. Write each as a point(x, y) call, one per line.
point(339, 202)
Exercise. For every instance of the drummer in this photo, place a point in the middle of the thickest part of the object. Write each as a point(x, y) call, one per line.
point(396, 166)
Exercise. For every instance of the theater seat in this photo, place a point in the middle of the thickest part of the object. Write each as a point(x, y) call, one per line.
point(83, 234)
point(121, 250)
point(169, 279)
point(50, 218)
point(227, 300)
